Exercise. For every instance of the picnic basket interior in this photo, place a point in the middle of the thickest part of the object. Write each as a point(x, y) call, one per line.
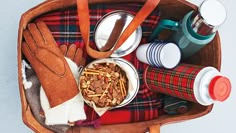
point(210, 55)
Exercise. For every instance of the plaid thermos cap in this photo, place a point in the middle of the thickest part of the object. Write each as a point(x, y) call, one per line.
point(203, 85)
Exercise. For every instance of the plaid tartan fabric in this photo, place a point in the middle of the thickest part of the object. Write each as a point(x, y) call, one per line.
point(64, 27)
point(64, 24)
point(177, 82)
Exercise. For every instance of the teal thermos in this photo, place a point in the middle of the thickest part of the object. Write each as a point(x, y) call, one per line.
point(199, 28)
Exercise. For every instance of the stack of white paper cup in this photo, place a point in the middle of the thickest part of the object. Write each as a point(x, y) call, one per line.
point(159, 54)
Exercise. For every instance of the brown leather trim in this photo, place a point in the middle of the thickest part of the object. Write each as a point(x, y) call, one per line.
point(209, 55)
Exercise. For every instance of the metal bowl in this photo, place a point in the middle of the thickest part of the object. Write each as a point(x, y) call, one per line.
point(131, 73)
point(116, 21)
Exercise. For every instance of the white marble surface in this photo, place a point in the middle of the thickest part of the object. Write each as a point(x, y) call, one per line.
point(220, 120)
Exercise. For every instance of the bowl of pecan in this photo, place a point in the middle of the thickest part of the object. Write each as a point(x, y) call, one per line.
point(110, 82)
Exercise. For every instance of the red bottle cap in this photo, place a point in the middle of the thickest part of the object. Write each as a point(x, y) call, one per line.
point(220, 88)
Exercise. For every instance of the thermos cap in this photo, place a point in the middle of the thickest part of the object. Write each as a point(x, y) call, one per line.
point(219, 88)
point(209, 17)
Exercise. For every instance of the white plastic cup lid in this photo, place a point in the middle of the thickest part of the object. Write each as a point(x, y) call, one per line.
point(170, 55)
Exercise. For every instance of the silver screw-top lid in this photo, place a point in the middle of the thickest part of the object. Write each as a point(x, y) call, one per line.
point(210, 16)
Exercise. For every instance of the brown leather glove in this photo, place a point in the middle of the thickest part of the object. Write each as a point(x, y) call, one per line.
point(73, 53)
point(49, 64)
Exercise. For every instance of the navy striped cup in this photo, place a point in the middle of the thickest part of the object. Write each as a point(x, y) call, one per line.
point(159, 54)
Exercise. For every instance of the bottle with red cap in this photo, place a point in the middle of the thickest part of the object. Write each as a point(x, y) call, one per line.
point(203, 85)
point(211, 86)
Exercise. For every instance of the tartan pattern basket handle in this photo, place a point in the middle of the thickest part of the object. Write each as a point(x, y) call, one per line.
point(209, 55)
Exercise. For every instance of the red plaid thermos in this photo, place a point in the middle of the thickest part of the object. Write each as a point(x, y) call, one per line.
point(204, 85)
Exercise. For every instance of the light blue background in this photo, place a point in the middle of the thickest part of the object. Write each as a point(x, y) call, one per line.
point(220, 120)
